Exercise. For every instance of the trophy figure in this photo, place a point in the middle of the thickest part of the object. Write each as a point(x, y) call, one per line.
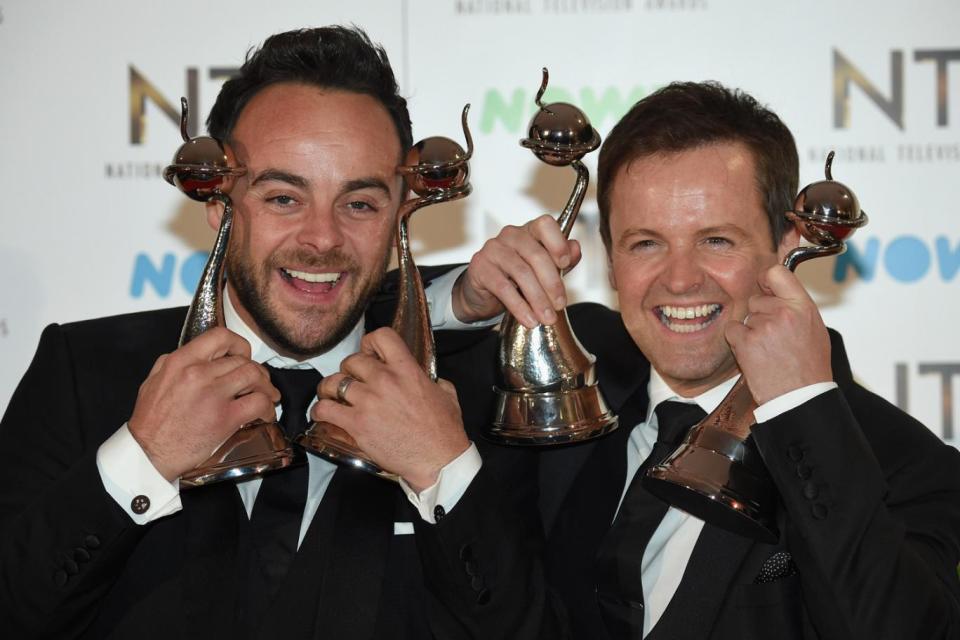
point(436, 170)
point(547, 392)
point(717, 474)
point(200, 170)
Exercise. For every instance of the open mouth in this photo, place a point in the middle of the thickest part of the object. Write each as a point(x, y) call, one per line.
point(688, 319)
point(312, 282)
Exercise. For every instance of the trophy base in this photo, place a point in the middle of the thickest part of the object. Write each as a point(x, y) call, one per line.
point(336, 445)
point(254, 449)
point(715, 477)
point(545, 418)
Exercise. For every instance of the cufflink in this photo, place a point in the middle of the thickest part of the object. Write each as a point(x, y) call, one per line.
point(140, 504)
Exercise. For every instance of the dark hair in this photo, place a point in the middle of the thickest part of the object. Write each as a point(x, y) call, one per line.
point(334, 57)
point(686, 115)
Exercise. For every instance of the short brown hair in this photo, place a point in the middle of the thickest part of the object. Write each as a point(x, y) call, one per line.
point(687, 115)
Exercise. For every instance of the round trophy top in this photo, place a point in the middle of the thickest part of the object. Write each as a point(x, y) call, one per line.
point(560, 133)
point(827, 212)
point(199, 168)
point(436, 164)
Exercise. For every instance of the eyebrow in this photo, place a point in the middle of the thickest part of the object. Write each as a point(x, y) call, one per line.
point(366, 183)
point(301, 182)
point(281, 176)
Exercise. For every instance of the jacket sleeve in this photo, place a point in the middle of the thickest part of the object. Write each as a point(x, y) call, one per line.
point(482, 563)
point(63, 540)
point(872, 503)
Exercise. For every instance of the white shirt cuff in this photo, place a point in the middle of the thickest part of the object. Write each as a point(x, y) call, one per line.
point(127, 473)
point(440, 302)
point(790, 400)
point(451, 484)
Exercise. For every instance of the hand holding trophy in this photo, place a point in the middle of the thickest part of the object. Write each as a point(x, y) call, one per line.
point(201, 171)
point(717, 474)
point(436, 170)
point(548, 392)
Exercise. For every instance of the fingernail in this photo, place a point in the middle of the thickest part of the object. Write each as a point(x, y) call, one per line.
point(550, 316)
point(564, 261)
point(559, 302)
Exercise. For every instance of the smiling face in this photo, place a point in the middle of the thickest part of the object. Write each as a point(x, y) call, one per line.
point(689, 238)
point(315, 213)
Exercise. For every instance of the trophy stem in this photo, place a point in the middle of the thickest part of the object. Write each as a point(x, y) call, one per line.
point(569, 214)
point(802, 254)
point(258, 446)
point(206, 308)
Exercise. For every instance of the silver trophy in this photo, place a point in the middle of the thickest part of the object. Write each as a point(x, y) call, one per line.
point(547, 392)
point(200, 170)
point(436, 169)
point(717, 474)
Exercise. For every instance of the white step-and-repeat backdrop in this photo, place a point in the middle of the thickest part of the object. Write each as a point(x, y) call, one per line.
point(89, 99)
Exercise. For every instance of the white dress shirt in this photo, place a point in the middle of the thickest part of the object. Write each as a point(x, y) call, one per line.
point(126, 471)
point(668, 551)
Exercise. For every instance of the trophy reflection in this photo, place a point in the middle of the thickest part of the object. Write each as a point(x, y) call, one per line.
point(717, 474)
point(200, 170)
point(436, 170)
point(547, 392)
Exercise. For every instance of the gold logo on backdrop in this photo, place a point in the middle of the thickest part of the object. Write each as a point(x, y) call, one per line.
point(142, 91)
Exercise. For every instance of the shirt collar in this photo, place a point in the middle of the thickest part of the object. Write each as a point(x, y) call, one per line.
point(659, 391)
point(326, 363)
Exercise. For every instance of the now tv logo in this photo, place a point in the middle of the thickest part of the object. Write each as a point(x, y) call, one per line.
point(905, 258)
point(161, 275)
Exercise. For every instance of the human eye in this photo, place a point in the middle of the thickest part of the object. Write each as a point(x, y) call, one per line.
point(282, 200)
point(361, 206)
point(718, 242)
point(643, 245)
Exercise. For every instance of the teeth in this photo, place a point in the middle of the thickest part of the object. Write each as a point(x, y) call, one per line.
point(705, 311)
point(688, 313)
point(313, 277)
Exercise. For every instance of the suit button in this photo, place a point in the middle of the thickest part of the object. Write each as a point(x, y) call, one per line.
point(60, 578)
point(804, 471)
point(91, 542)
point(71, 567)
point(470, 566)
point(140, 504)
point(476, 583)
point(795, 453)
point(81, 555)
point(483, 597)
point(439, 512)
point(819, 511)
point(810, 491)
point(466, 552)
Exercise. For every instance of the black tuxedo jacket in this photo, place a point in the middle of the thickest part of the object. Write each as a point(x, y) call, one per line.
point(870, 516)
point(73, 565)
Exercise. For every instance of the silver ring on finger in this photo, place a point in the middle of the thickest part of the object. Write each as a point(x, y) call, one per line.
point(342, 387)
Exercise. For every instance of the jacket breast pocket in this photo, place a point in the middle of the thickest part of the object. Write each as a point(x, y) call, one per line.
point(772, 610)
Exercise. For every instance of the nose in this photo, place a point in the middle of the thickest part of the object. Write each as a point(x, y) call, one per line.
point(681, 273)
point(320, 229)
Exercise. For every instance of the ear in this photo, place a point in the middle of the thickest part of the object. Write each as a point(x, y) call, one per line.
point(789, 241)
point(214, 210)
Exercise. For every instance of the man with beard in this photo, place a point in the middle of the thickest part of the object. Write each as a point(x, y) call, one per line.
point(98, 540)
point(693, 185)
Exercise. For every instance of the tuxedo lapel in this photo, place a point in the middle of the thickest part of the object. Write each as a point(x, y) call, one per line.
point(693, 610)
point(210, 575)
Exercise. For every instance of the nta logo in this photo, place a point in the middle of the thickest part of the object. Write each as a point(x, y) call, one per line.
point(141, 90)
point(846, 74)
